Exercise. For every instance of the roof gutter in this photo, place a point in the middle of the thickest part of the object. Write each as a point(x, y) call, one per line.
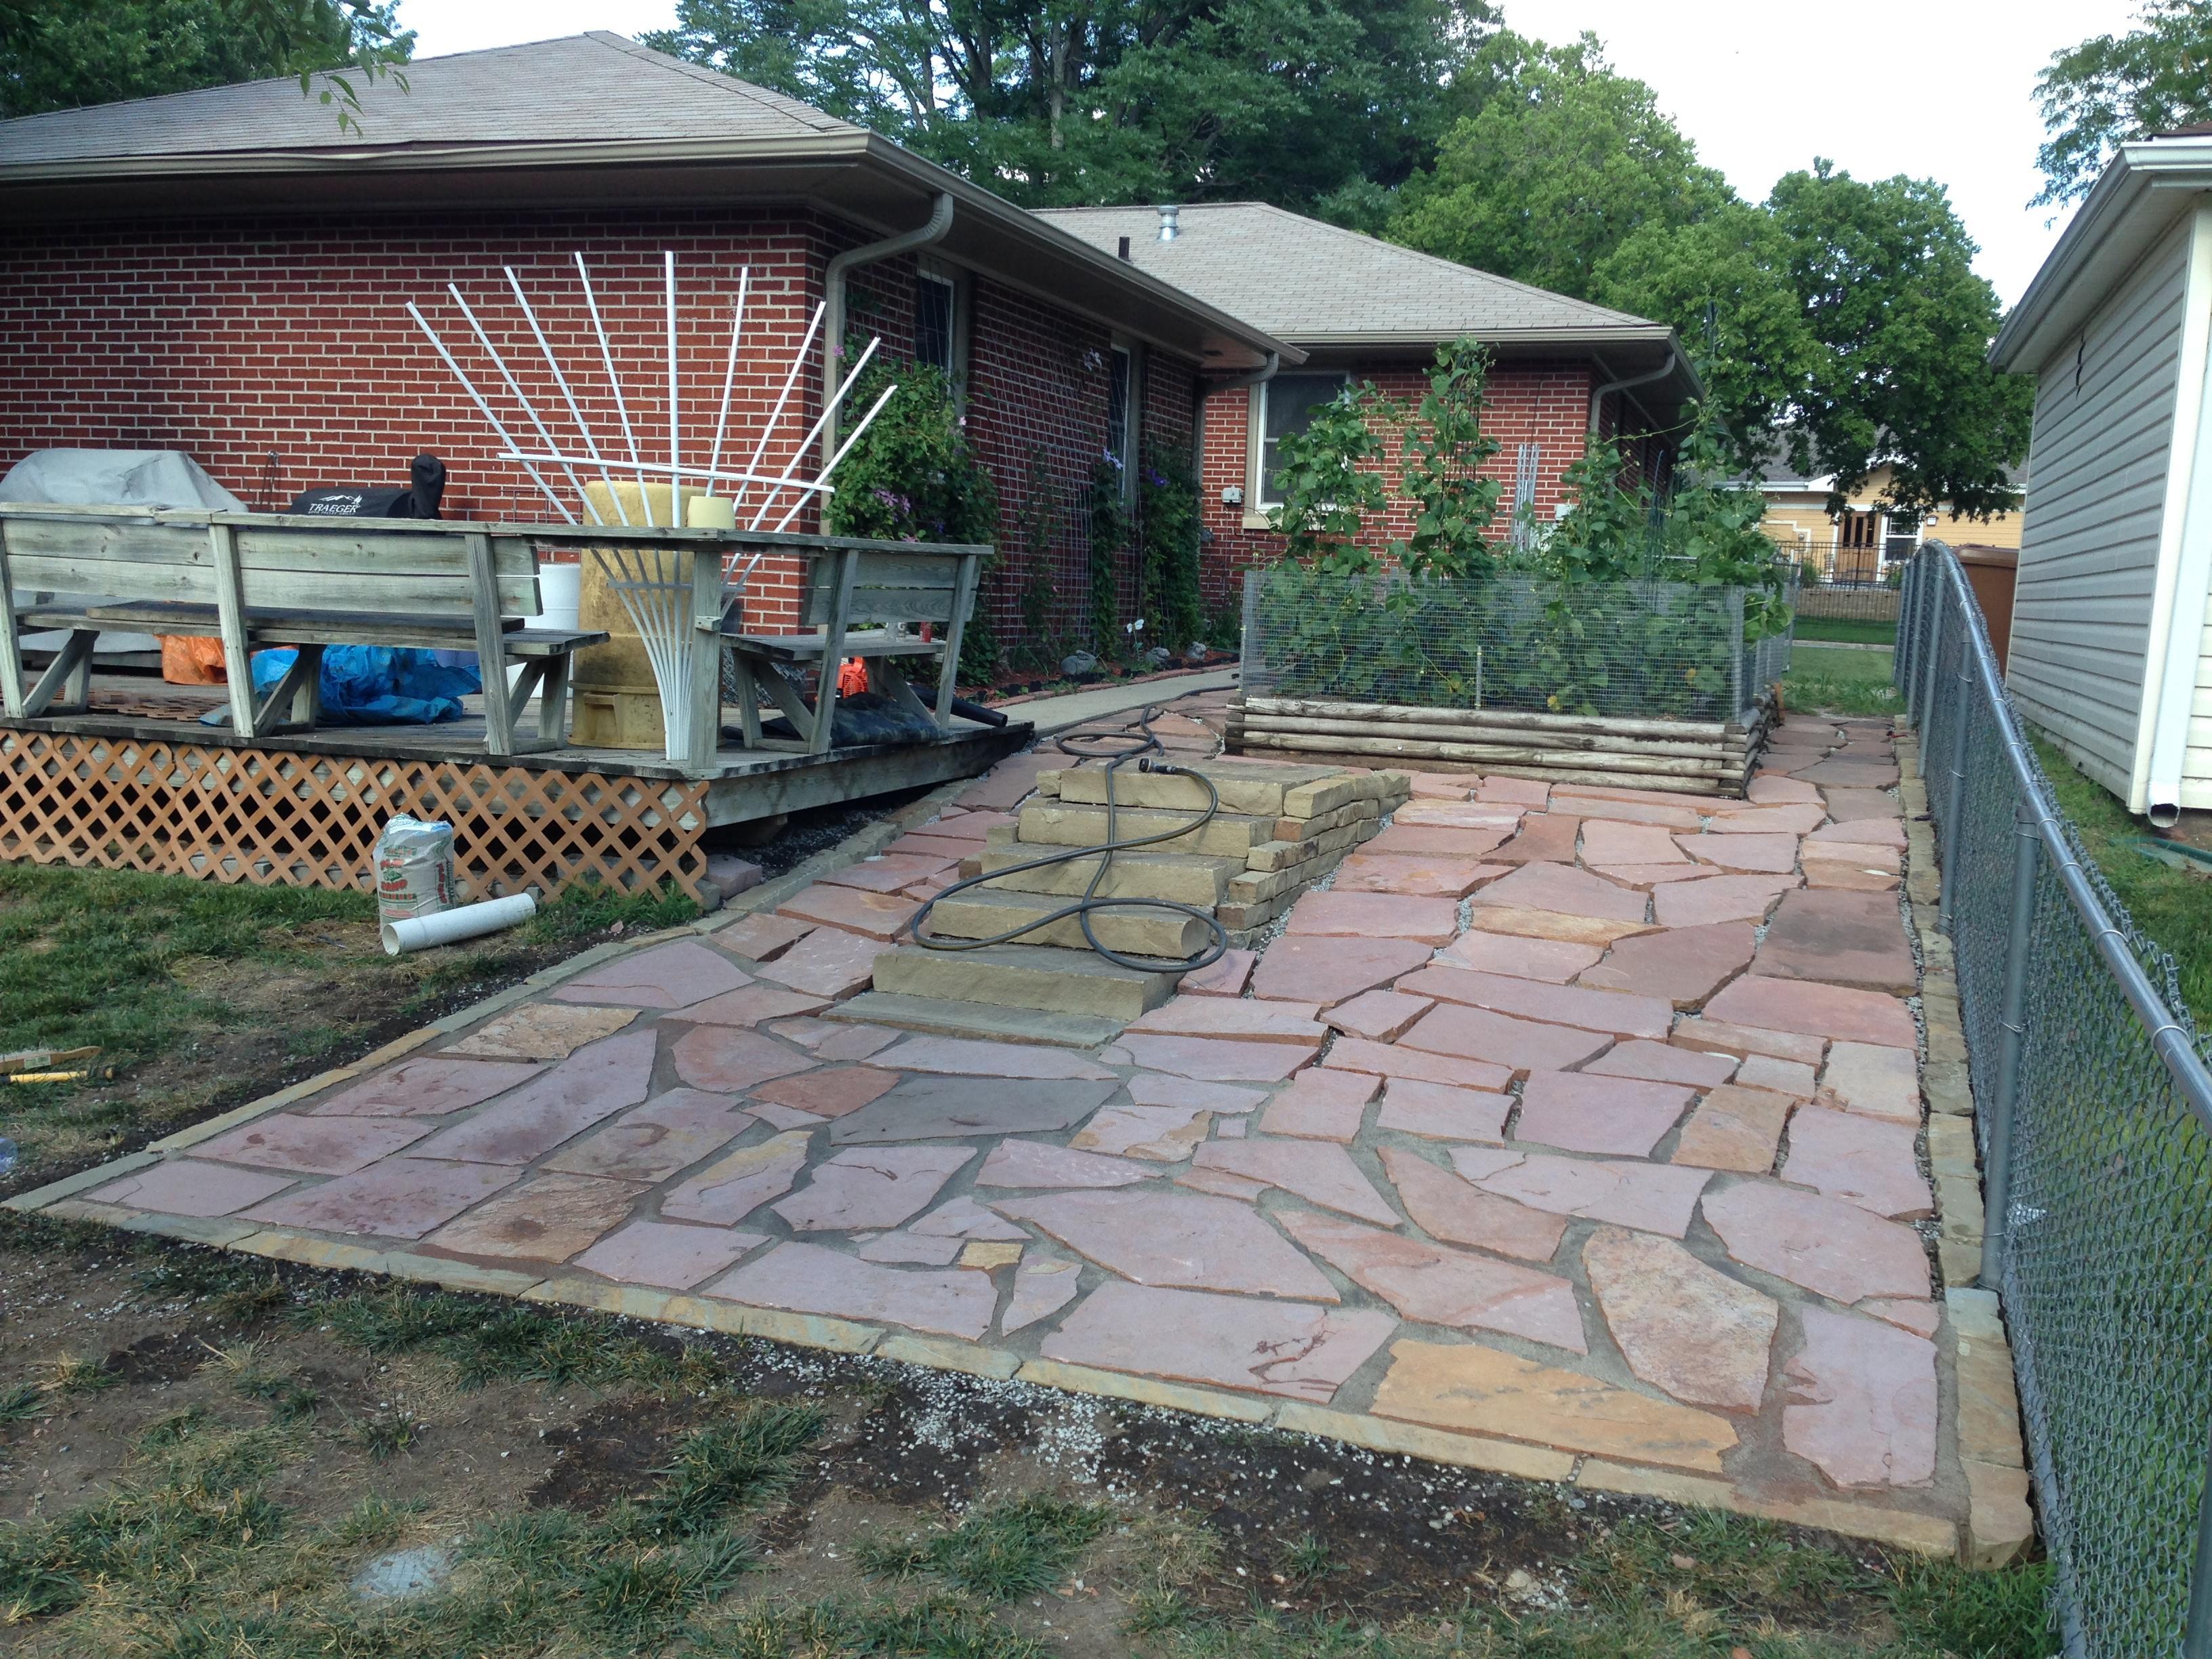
point(1598, 397)
point(1259, 376)
point(833, 297)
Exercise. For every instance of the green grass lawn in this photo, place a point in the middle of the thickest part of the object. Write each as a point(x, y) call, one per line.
point(1839, 681)
point(1848, 630)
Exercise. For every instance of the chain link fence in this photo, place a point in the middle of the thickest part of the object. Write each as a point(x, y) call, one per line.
point(2094, 1115)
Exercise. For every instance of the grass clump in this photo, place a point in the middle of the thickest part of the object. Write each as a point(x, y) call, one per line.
point(384, 1438)
point(998, 1553)
point(734, 1466)
point(937, 1627)
point(1836, 682)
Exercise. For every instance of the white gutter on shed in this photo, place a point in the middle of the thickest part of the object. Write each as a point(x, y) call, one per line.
point(2173, 653)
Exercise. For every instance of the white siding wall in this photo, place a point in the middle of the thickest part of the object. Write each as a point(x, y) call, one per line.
point(2089, 542)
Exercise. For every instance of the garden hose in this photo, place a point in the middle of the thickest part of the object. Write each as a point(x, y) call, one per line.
point(1137, 742)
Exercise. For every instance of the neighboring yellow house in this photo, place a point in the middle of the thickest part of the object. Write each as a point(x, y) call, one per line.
point(1862, 543)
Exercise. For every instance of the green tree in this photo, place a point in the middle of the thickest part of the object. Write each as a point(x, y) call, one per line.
point(1559, 162)
point(1073, 101)
point(2116, 88)
point(62, 54)
point(1884, 272)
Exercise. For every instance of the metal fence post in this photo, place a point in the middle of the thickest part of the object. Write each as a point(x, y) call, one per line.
point(2012, 1032)
point(1924, 716)
point(1954, 796)
point(2197, 1632)
point(1905, 653)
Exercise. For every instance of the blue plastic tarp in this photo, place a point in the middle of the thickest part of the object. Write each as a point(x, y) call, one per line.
point(378, 685)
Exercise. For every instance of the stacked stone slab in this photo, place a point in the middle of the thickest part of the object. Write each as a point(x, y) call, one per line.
point(1277, 831)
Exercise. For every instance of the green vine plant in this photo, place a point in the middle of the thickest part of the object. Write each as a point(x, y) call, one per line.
point(1168, 527)
point(1109, 540)
point(1034, 529)
point(914, 478)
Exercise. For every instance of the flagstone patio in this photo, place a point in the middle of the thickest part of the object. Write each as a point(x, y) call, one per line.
point(1572, 1132)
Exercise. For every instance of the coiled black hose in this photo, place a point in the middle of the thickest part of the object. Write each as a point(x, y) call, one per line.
point(1137, 743)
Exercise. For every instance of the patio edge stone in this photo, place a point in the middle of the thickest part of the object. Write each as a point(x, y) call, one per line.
point(1926, 1535)
point(1527, 1462)
point(1144, 1390)
point(949, 1354)
point(54, 1192)
point(194, 1135)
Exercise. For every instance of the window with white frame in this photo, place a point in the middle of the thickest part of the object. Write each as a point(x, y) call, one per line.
point(1286, 404)
point(936, 322)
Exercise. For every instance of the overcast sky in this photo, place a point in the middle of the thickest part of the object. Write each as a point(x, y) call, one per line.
point(1937, 89)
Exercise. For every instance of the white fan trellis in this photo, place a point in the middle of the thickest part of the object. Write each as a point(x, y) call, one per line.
point(651, 581)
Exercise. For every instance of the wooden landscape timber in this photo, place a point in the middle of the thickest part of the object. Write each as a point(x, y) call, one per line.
point(1695, 758)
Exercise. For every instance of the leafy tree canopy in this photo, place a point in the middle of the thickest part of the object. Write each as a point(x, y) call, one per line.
point(2116, 88)
point(61, 54)
point(1296, 102)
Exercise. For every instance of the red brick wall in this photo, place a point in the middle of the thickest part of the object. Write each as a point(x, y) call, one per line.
point(233, 339)
point(1546, 406)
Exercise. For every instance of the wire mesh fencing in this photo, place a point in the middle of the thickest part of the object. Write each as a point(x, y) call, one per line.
point(1649, 650)
point(2093, 1116)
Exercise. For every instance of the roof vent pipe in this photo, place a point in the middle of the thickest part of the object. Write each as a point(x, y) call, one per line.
point(833, 295)
point(1122, 252)
point(1168, 228)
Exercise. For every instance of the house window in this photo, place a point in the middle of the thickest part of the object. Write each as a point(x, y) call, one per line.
point(1287, 404)
point(1121, 409)
point(934, 310)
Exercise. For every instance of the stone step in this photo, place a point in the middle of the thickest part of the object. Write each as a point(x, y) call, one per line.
point(1254, 789)
point(977, 913)
point(1035, 976)
point(1183, 877)
point(1225, 835)
point(939, 1016)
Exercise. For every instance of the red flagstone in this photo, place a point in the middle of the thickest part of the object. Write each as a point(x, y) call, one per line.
point(1657, 1198)
point(1221, 1184)
point(1792, 820)
point(671, 976)
point(1458, 815)
point(1233, 1016)
point(1653, 875)
point(1628, 812)
point(1693, 1031)
point(1442, 1113)
point(1840, 772)
point(1835, 875)
point(1849, 806)
point(1172, 1238)
point(730, 1059)
point(1440, 1286)
point(1841, 1251)
point(1734, 1128)
point(1321, 1105)
point(1719, 898)
point(828, 962)
point(1920, 1318)
point(1216, 1060)
point(1864, 1404)
point(429, 1087)
point(1838, 939)
point(911, 1249)
point(1873, 1081)
point(1166, 1134)
point(1830, 1011)
point(1435, 841)
point(1662, 1062)
point(1013, 779)
point(1860, 832)
point(1033, 1163)
point(1784, 1077)
point(1519, 1045)
point(810, 1278)
point(872, 915)
point(1153, 1089)
point(1319, 1173)
point(312, 1146)
point(184, 1187)
point(1565, 890)
point(652, 1142)
point(1682, 1327)
point(978, 1057)
point(548, 1218)
point(1532, 792)
point(1870, 858)
point(1436, 785)
point(1582, 1112)
point(762, 936)
point(1743, 855)
point(739, 1182)
point(1326, 971)
point(1545, 838)
point(1266, 1347)
point(592, 1084)
point(888, 872)
point(1447, 1207)
point(1766, 791)
point(1225, 978)
point(539, 1030)
point(1560, 1005)
point(1430, 877)
point(873, 1187)
point(1605, 840)
point(1042, 1288)
point(399, 1198)
point(751, 1005)
point(1555, 961)
point(1378, 1015)
point(657, 1253)
point(1861, 1160)
point(1681, 965)
point(830, 1092)
point(1387, 1060)
point(1375, 916)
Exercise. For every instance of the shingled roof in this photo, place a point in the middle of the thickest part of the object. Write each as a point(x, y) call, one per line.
point(1318, 285)
point(508, 96)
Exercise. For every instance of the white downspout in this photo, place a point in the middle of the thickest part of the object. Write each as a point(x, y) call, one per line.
point(832, 297)
point(2174, 650)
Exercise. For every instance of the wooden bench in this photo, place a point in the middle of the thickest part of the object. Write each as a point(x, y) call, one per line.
point(863, 601)
point(258, 581)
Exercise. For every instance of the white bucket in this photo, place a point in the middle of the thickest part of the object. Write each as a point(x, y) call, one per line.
point(462, 921)
point(560, 598)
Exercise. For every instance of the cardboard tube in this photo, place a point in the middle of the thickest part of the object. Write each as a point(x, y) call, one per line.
point(462, 921)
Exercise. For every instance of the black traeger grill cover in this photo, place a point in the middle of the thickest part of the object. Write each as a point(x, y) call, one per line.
point(417, 499)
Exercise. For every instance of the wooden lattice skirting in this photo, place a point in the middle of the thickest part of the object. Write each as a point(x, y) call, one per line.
point(1696, 757)
point(276, 819)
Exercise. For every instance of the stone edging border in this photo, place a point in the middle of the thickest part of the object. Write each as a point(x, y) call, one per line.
point(1999, 1523)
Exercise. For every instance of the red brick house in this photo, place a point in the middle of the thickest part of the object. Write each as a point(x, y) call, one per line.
point(1360, 309)
point(226, 272)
